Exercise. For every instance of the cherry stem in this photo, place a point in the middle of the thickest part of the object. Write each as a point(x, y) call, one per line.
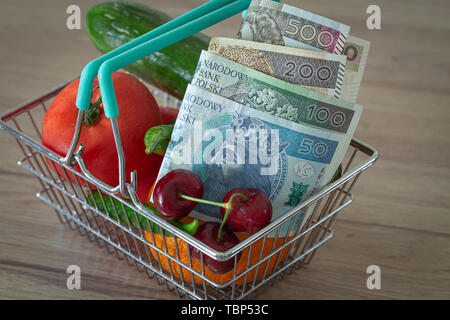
point(218, 204)
point(228, 209)
point(226, 205)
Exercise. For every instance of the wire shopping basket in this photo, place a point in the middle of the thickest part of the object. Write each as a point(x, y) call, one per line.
point(165, 256)
point(160, 256)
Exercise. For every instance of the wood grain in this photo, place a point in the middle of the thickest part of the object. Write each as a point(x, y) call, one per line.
point(399, 221)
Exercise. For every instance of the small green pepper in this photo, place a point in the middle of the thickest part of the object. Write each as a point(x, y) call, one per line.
point(157, 139)
point(115, 206)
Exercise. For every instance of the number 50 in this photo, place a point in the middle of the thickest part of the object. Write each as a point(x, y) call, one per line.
point(318, 149)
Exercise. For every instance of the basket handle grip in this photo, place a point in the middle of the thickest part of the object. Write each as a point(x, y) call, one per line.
point(187, 25)
point(160, 42)
point(91, 69)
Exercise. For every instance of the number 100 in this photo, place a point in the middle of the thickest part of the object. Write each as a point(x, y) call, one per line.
point(321, 114)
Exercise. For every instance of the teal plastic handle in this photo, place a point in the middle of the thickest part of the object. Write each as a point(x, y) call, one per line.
point(160, 42)
point(90, 71)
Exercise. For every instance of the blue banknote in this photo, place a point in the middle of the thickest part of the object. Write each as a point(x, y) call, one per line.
point(229, 145)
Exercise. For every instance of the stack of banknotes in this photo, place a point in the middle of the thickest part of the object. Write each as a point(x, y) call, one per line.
point(273, 109)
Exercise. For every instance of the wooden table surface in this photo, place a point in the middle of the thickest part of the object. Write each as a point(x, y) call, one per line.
point(400, 220)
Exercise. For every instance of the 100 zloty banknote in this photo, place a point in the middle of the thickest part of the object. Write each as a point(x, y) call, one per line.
point(229, 145)
point(281, 24)
point(319, 71)
point(260, 91)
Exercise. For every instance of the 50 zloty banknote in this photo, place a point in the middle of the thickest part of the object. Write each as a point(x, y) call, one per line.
point(229, 145)
point(319, 71)
point(281, 24)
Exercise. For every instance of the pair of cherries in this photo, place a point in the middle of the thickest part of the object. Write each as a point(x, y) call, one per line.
point(243, 210)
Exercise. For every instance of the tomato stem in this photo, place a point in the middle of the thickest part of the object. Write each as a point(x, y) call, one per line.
point(92, 113)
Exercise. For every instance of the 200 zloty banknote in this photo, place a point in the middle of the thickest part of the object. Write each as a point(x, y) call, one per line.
point(319, 71)
point(356, 50)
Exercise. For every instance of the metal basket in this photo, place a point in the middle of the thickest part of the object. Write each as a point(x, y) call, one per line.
point(159, 261)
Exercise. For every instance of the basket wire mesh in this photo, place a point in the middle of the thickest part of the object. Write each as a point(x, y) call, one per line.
point(169, 261)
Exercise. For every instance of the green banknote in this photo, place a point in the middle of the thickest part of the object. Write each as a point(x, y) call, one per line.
point(271, 95)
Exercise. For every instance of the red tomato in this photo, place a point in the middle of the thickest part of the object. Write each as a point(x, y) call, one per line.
point(168, 113)
point(138, 112)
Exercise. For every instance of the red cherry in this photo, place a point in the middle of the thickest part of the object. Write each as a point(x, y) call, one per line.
point(166, 195)
point(247, 215)
point(207, 233)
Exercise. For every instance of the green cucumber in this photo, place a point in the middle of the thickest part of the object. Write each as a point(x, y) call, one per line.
point(114, 207)
point(337, 175)
point(112, 24)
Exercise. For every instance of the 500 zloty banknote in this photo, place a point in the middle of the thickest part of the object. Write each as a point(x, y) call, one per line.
point(356, 50)
point(260, 91)
point(229, 145)
point(319, 71)
point(281, 24)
